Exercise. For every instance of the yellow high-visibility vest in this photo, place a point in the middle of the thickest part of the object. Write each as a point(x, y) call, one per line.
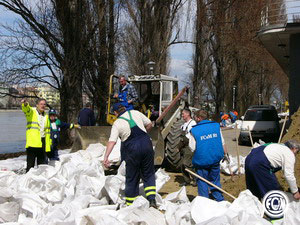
point(33, 134)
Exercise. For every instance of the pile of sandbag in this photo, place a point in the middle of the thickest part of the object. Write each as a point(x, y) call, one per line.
point(232, 165)
point(76, 191)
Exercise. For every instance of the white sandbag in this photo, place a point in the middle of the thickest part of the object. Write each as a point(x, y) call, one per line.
point(140, 213)
point(178, 214)
point(233, 165)
point(66, 212)
point(44, 171)
point(178, 197)
point(9, 212)
point(97, 215)
point(203, 209)
point(5, 194)
point(291, 215)
point(96, 150)
point(7, 178)
point(245, 218)
point(113, 186)
point(248, 202)
point(161, 177)
point(122, 169)
point(32, 203)
point(115, 155)
point(88, 185)
point(55, 190)
point(23, 220)
point(245, 210)
point(241, 218)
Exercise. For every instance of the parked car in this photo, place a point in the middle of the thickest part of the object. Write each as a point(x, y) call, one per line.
point(263, 123)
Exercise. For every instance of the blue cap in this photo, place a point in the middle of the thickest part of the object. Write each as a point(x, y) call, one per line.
point(52, 112)
point(117, 106)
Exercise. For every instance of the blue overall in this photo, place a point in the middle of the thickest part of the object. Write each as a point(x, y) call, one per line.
point(260, 177)
point(207, 156)
point(55, 137)
point(139, 157)
point(123, 99)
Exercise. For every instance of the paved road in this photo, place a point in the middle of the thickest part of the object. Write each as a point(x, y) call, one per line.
point(229, 135)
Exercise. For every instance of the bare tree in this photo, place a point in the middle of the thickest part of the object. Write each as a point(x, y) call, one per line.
point(230, 55)
point(61, 43)
point(149, 33)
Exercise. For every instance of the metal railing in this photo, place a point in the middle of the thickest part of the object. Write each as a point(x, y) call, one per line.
point(280, 13)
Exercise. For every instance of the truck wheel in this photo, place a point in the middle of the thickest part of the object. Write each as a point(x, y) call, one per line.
point(173, 155)
point(240, 141)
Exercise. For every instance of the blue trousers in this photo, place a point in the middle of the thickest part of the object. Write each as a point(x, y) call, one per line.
point(212, 174)
point(260, 177)
point(139, 157)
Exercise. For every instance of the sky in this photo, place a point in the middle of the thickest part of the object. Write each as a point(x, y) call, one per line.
point(180, 54)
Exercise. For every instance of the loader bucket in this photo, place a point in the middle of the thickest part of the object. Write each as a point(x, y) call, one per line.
point(100, 134)
point(90, 135)
point(158, 145)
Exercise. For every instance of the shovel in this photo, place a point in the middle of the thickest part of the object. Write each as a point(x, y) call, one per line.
point(211, 184)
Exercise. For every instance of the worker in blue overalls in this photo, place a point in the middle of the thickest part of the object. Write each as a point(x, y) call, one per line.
point(264, 161)
point(209, 149)
point(131, 127)
point(127, 94)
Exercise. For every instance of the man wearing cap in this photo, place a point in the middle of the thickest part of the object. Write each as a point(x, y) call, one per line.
point(37, 133)
point(136, 150)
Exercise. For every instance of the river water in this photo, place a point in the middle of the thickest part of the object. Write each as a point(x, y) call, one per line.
point(13, 129)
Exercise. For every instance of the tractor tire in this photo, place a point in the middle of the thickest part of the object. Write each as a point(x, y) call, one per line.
point(240, 142)
point(173, 154)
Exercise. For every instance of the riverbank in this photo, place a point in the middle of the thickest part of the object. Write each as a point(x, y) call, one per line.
point(4, 156)
point(11, 110)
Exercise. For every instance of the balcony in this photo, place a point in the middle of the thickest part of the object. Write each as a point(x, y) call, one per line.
point(280, 19)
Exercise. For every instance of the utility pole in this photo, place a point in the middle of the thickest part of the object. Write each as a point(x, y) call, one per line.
point(259, 99)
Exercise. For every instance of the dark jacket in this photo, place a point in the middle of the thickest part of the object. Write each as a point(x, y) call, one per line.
point(86, 117)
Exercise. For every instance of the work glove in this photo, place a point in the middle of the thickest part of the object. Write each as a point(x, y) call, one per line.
point(226, 158)
point(77, 126)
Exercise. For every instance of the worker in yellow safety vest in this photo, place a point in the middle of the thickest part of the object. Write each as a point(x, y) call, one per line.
point(38, 140)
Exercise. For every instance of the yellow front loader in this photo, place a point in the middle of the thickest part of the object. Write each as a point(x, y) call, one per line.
point(160, 100)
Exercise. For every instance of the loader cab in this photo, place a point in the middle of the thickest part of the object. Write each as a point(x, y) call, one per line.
point(155, 93)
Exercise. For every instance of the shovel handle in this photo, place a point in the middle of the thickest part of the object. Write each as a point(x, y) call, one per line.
point(282, 129)
point(211, 184)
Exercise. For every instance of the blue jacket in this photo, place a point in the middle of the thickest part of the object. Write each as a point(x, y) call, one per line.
point(233, 116)
point(86, 117)
point(55, 131)
point(209, 148)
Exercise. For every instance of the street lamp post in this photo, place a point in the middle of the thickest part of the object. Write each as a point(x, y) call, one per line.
point(151, 65)
point(233, 97)
point(207, 103)
point(259, 99)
